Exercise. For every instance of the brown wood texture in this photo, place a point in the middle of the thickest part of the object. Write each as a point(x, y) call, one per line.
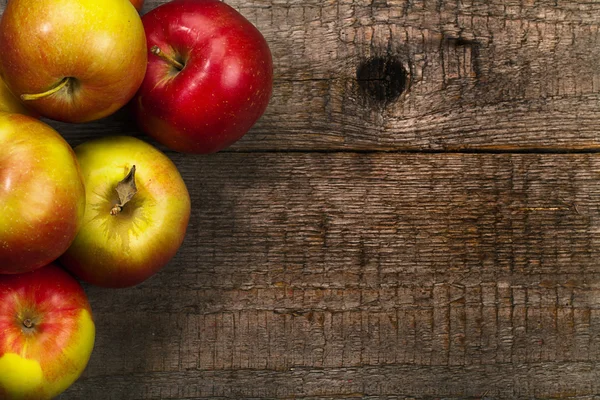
point(342, 274)
point(383, 248)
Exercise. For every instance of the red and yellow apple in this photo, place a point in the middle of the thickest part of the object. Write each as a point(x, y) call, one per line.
point(72, 60)
point(209, 77)
point(136, 216)
point(42, 197)
point(46, 333)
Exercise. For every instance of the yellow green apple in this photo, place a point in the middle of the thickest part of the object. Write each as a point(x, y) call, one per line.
point(73, 60)
point(42, 197)
point(137, 212)
point(47, 333)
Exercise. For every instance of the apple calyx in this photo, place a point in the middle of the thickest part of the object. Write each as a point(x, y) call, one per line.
point(172, 61)
point(29, 324)
point(126, 189)
point(64, 82)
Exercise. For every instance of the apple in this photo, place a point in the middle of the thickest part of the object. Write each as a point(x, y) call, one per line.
point(47, 333)
point(72, 60)
point(9, 102)
point(136, 216)
point(138, 4)
point(209, 76)
point(42, 197)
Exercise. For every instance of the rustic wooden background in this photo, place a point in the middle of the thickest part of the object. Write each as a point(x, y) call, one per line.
point(415, 216)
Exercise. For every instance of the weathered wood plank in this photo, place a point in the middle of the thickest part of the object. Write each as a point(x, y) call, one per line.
point(482, 75)
point(328, 275)
point(338, 274)
point(390, 382)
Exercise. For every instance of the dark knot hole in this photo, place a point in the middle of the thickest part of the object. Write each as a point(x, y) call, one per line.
point(383, 79)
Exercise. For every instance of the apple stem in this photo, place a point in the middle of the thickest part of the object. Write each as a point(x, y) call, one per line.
point(28, 323)
point(158, 52)
point(126, 189)
point(34, 96)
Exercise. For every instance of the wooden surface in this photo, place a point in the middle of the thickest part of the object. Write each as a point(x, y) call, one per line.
point(441, 242)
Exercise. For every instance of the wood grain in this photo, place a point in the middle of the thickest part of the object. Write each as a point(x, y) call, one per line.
point(488, 75)
point(341, 274)
point(354, 247)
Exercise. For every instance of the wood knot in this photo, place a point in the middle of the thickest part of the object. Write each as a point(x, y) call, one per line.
point(382, 79)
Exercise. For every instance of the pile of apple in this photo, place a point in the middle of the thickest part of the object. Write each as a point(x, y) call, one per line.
point(195, 74)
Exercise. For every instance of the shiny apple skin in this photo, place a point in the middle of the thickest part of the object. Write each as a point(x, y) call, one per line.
point(42, 361)
point(42, 197)
point(126, 249)
point(101, 44)
point(9, 102)
point(223, 89)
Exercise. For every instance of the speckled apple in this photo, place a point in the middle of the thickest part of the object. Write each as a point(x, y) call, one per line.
point(73, 60)
point(209, 77)
point(42, 197)
point(119, 244)
point(47, 333)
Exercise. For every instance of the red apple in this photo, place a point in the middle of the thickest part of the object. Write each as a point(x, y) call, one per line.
point(136, 215)
point(209, 76)
point(73, 60)
point(42, 197)
point(46, 333)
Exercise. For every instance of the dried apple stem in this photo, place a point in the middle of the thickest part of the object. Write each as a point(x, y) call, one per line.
point(28, 323)
point(158, 52)
point(34, 96)
point(126, 189)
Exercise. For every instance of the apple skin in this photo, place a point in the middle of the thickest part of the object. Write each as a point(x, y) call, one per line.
point(42, 197)
point(98, 45)
point(9, 102)
point(125, 249)
point(224, 87)
point(43, 360)
point(138, 4)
